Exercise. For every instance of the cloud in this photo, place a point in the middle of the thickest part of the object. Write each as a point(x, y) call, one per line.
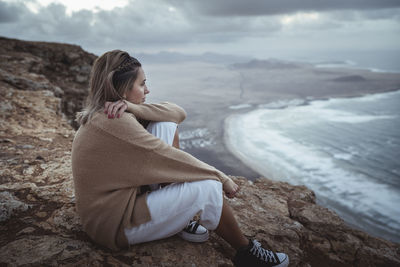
point(260, 7)
point(11, 12)
point(158, 25)
point(144, 23)
point(49, 23)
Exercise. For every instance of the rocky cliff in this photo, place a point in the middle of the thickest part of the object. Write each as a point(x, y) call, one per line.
point(39, 66)
point(41, 86)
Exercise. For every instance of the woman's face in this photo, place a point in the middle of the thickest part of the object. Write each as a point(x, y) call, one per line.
point(139, 91)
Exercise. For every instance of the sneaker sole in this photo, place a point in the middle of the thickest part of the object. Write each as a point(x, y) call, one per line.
point(284, 263)
point(194, 238)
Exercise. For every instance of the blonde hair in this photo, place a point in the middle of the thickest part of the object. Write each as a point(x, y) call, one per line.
point(111, 76)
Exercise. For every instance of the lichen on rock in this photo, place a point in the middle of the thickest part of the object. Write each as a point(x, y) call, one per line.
point(9, 205)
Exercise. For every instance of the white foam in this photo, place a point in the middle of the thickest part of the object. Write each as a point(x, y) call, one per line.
point(197, 138)
point(342, 64)
point(196, 133)
point(283, 104)
point(347, 117)
point(382, 70)
point(240, 106)
point(343, 156)
point(259, 139)
point(352, 65)
point(318, 111)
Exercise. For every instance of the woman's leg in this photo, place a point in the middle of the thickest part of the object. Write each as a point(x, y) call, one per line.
point(164, 130)
point(173, 206)
point(187, 201)
point(228, 228)
point(175, 143)
point(248, 253)
point(167, 132)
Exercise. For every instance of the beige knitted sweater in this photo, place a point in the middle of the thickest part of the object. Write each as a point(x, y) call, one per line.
point(112, 158)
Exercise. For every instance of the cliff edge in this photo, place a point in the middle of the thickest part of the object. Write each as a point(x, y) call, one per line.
point(41, 86)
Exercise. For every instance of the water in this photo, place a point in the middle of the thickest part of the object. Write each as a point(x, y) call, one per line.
point(346, 149)
point(374, 60)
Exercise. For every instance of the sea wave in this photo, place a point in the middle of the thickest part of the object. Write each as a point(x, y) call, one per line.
point(196, 138)
point(270, 140)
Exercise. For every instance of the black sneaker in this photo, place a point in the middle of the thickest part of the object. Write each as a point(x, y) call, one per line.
point(255, 256)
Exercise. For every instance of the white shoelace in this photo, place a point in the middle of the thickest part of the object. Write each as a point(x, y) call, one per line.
point(261, 253)
point(191, 227)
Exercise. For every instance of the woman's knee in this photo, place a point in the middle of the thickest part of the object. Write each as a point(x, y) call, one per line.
point(165, 125)
point(163, 129)
point(211, 184)
point(210, 188)
point(210, 202)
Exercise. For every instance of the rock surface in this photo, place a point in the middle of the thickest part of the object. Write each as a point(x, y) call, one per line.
point(60, 68)
point(38, 222)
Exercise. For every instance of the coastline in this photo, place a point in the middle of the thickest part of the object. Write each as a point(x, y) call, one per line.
point(237, 154)
point(344, 212)
point(234, 152)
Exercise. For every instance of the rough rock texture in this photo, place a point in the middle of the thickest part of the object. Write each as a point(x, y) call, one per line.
point(61, 68)
point(39, 226)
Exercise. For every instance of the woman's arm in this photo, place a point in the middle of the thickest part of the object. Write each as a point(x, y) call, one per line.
point(164, 111)
point(153, 160)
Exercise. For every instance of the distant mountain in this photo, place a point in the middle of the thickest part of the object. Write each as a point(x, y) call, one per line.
point(175, 57)
point(267, 64)
point(350, 78)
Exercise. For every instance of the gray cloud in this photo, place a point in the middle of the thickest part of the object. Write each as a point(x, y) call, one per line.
point(141, 22)
point(11, 12)
point(381, 14)
point(171, 24)
point(260, 7)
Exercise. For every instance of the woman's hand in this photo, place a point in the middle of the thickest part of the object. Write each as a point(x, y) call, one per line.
point(115, 109)
point(230, 188)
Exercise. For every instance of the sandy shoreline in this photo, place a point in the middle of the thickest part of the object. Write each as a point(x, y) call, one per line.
point(236, 153)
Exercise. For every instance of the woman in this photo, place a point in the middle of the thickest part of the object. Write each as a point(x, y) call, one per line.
point(114, 158)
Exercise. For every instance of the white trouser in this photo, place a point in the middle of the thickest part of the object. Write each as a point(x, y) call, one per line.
point(172, 207)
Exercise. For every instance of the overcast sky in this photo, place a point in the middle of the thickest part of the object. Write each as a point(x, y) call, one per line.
point(256, 28)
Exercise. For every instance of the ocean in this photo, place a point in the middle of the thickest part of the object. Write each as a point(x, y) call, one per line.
point(347, 150)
